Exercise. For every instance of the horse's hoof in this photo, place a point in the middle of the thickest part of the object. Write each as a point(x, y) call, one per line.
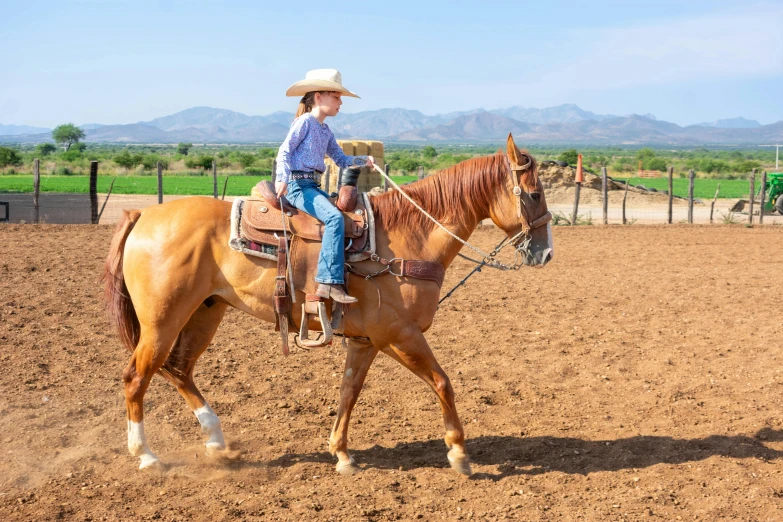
point(150, 461)
point(214, 449)
point(347, 468)
point(459, 462)
point(221, 451)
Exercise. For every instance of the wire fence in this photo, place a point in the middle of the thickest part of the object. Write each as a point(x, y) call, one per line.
point(646, 201)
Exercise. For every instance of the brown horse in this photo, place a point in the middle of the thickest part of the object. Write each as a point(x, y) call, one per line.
point(170, 275)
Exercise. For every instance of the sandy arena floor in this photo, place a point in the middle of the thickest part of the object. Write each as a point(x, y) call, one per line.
point(638, 377)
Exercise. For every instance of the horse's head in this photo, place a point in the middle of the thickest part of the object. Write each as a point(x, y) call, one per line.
point(523, 213)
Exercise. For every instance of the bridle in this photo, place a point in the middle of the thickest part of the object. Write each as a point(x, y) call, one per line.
point(517, 190)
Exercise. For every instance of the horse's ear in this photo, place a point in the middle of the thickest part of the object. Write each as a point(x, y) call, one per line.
point(512, 151)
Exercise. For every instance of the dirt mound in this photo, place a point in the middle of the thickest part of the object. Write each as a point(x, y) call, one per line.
point(559, 187)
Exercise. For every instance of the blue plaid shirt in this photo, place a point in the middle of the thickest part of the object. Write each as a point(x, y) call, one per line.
point(305, 146)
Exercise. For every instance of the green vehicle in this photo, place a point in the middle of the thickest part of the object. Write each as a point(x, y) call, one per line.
point(774, 195)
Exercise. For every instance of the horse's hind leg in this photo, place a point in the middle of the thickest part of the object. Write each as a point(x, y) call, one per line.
point(358, 360)
point(193, 339)
point(150, 353)
point(413, 352)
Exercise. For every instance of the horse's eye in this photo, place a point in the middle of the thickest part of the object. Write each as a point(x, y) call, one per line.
point(535, 196)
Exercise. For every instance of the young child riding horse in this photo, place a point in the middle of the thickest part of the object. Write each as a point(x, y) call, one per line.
point(301, 158)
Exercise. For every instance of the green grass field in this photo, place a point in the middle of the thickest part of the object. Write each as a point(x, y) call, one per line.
point(702, 188)
point(241, 185)
point(145, 185)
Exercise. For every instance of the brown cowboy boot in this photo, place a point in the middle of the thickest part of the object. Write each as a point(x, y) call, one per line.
point(335, 292)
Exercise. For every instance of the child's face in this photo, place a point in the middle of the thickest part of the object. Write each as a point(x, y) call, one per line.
point(329, 103)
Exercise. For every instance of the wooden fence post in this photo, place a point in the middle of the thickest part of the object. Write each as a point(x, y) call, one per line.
point(225, 186)
point(385, 184)
point(691, 176)
point(326, 178)
point(605, 192)
point(578, 186)
point(214, 178)
point(36, 187)
point(671, 193)
point(712, 207)
point(763, 193)
point(752, 195)
point(421, 172)
point(625, 196)
point(94, 192)
point(160, 183)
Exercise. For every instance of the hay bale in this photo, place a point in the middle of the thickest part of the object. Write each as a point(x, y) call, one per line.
point(368, 178)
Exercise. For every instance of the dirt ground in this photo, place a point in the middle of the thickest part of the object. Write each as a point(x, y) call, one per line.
point(638, 377)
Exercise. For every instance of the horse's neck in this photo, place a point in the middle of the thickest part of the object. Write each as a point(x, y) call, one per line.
point(438, 245)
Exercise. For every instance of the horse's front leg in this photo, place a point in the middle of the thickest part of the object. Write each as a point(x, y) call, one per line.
point(357, 362)
point(412, 351)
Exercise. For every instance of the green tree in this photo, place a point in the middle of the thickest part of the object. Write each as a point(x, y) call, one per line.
point(9, 156)
point(67, 134)
point(429, 152)
point(658, 164)
point(570, 156)
point(246, 159)
point(127, 160)
point(645, 154)
point(199, 162)
point(183, 148)
point(79, 147)
point(44, 149)
point(150, 162)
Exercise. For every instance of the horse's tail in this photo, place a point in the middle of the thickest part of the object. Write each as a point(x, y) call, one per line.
point(119, 306)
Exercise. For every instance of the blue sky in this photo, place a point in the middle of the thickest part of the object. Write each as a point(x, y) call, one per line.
point(685, 61)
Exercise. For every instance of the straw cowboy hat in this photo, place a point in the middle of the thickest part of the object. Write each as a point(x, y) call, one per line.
point(319, 80)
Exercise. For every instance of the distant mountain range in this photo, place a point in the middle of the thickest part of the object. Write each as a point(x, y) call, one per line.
point(562, 124)
point(10, 130)
point(732, 123)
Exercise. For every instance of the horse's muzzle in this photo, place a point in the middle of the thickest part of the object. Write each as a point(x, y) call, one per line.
point(540, 250)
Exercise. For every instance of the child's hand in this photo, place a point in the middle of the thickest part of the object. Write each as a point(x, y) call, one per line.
point(370, 161)
point(281, 187)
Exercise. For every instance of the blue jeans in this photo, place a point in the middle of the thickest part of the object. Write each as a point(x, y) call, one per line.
point(305, 195)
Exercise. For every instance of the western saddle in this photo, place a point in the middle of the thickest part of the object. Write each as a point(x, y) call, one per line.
point(272, 228)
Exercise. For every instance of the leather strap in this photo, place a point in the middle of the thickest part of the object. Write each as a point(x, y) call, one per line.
point(282, 299)
point(416, 268)
point(429, 270)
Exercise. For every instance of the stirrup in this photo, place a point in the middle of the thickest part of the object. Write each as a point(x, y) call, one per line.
point(315, 305)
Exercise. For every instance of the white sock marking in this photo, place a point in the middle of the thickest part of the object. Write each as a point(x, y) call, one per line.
point(137, 444)
point(210, 425)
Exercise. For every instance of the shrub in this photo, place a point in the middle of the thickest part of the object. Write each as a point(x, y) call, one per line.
point(64, 171)
point(44, 149)
point(150, 162)
point(245, 159)
point(127, 160)
point(570, 156)
point(199, 162)
point(9, 156)
point(71, 155)
point(429, 152)
point(655, 164)
point(256, 171)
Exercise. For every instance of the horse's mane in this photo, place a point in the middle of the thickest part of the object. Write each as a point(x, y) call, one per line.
point(443, 194)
